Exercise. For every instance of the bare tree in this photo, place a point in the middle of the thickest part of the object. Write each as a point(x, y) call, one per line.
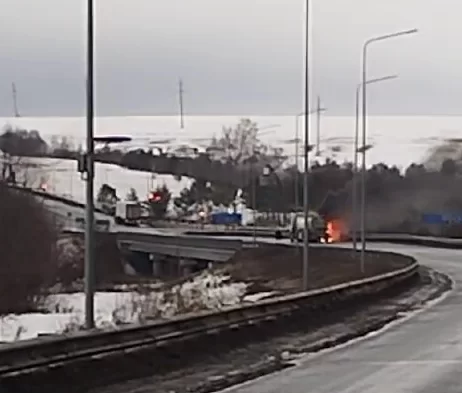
point(238, 143)
point(132, 195)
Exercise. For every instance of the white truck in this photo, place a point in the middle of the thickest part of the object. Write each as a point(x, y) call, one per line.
point(317, 228)
point(127, 213)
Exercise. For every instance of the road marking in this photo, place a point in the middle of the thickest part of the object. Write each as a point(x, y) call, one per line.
point(441, 362)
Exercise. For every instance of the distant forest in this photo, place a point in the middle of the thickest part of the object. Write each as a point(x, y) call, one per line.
point(396, 200)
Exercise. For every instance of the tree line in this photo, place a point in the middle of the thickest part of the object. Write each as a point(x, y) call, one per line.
point(396, 200)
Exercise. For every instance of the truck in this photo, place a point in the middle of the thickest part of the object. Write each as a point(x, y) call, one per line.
point(317, 228)
point(127, 213)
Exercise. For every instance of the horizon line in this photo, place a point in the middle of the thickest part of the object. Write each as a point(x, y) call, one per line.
point(244, 115)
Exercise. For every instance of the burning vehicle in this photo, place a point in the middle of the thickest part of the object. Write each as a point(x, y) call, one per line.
point(337, 230)
point(320, 230)
point(317, 228)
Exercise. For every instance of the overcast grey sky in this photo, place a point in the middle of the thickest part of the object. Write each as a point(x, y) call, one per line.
point(235, 56)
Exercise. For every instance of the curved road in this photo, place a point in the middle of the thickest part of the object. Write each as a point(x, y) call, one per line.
point(423, 354)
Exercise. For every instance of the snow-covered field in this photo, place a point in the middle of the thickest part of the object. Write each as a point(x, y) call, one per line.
point(66, 313)
point(396, 140)
point(61, 178)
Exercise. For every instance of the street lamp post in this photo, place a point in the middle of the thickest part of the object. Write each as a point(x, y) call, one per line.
point(354, 198)
point(89, 168)
point(306, 148)
point(363, 174)
point(86, 166)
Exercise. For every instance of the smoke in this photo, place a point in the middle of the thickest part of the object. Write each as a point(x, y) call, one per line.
point(397, 203)
point(450, 149)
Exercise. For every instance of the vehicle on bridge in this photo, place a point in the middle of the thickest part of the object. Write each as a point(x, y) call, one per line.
point(127, 213)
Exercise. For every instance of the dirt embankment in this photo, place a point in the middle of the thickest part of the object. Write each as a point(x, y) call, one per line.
point(279, 268)
point(268, 268)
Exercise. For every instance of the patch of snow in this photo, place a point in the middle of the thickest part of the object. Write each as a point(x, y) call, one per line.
point(258, 296)
point(66, 311)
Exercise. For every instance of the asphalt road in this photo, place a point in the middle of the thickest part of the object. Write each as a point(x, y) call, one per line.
point(423, 354)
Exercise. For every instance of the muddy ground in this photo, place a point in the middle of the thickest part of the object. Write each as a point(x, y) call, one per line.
point(279, 268)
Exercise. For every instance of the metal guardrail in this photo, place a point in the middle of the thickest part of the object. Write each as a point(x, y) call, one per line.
point(216, 250)
point(181, 240)
point(30, 355)
point(244, 231)
point(432, 241)
point(205, 254)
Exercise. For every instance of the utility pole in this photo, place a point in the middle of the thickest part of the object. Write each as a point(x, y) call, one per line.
point(15, 100)
point(318, 111)
point(180, 94)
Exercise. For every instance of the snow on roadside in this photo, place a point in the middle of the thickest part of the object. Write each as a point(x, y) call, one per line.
point(66, 311)
point(255, 297)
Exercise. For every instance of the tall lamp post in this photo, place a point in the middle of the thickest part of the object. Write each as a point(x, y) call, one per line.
point(90, 172)
point(354, 198)
point(306, 147)
point(86, 166)
point(364, 114)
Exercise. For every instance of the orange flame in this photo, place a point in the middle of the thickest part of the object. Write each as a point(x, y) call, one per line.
point(334, 230)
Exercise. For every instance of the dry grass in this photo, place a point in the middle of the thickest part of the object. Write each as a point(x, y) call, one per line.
point(279, 268)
